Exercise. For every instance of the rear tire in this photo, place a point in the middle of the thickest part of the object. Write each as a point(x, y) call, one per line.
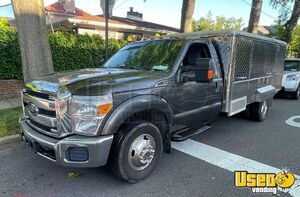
point(296, 94)
point(136, 151)
point(258, 111)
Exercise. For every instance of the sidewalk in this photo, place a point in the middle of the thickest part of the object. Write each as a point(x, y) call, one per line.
point(10, 103)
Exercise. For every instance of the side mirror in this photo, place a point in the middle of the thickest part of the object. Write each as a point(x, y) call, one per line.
point(202, 71)
point(205, 74)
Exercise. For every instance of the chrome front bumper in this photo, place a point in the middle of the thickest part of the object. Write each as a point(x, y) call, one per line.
point(290, 86)
point(72, 151)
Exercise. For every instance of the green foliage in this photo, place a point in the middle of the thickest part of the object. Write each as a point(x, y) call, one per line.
point(9, 121)
point(69, 52)
point(4, 23)
point(74, 175)
point(283, 8)
point(10, 56)
point(279, 32)
point(276, 3)
point(294, 47)
point(220, 23)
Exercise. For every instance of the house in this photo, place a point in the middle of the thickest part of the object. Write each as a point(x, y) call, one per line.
point(264, 30)
point(65, 16)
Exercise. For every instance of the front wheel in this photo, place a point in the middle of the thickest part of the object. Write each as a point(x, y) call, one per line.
point(136, 151)
point(258, 111)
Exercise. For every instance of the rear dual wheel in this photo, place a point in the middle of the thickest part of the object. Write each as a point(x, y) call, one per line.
point(136, 151)
point(258, 111)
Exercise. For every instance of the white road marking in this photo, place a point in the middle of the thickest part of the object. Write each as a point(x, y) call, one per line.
point(291, 121)
point(230, 161)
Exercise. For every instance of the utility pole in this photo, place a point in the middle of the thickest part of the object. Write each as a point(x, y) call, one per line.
point(106, 13)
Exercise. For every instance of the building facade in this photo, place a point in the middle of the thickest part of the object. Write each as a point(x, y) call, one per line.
point(65, 16)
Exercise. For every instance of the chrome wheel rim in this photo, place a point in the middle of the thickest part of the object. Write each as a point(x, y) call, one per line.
point(264, 108)
point(141, 152)
point(298, 93)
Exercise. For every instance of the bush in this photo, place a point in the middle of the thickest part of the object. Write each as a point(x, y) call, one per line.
point(10, 56)
point(69, 52)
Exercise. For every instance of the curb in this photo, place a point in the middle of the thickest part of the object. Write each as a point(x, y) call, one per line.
point(10, 139)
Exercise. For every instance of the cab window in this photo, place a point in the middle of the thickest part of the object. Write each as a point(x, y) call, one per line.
point(198, 54)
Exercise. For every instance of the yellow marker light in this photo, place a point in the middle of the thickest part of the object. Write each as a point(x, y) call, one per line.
point(103, 109)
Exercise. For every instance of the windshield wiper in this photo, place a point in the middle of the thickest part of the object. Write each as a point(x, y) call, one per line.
point(132, 67)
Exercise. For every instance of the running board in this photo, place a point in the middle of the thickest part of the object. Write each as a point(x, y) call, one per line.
point(186, 134)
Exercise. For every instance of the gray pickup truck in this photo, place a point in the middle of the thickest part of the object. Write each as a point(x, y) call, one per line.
point(128, 111)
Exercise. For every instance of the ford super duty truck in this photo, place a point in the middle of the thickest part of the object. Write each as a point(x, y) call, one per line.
point(129, 110)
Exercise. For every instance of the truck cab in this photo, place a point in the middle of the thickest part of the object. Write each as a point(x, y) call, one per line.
point(128, 111)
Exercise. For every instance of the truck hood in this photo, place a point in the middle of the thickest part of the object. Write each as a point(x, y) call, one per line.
point(285, 73)
point(96, 81)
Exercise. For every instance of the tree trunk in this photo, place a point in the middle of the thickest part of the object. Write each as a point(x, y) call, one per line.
point(33, 38)
point(187, 12)
point(292, 22)
point(255, 16)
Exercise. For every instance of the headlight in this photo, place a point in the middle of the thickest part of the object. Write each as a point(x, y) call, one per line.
point(291, 77)
point(62, 108)
point(87, 112)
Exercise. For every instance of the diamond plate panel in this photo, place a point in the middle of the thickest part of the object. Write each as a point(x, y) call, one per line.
point(249, 62)
point(264, 57)
point(243, 58)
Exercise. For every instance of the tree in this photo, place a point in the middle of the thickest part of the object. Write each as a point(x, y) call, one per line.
point(289, 24)
point(4, 23)
point(294, 47)
point(255, 16)
point(292, 22)
point(33, 38)
point(187, 12)
point(221, 23)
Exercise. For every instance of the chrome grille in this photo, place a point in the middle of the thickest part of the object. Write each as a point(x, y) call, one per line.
point(40, 110)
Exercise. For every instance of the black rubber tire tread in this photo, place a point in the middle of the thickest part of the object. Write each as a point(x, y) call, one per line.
point(254, 111)
point(119, 154)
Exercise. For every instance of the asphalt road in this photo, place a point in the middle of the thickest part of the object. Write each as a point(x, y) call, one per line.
point(273, 142)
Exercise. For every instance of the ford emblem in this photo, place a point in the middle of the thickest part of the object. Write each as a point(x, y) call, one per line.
point(33, 109)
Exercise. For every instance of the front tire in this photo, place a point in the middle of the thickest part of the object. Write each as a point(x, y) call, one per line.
point(136, 151)
point(258, 111)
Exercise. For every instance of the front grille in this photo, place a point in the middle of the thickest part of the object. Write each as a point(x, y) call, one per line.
point(41, 114)
point(47, 112)
point(43, 127)
point(37, 94)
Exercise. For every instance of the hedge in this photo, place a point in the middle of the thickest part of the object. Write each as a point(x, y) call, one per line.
point(69, 52)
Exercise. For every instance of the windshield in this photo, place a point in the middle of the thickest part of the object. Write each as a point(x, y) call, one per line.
point(292, 66)
point(156, 55)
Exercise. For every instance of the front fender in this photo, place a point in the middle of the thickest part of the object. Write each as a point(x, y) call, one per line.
point(134, 105)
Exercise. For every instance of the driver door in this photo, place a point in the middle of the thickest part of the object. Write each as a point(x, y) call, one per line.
point(196, 103)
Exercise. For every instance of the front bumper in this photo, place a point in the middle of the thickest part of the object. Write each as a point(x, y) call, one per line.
point(72, 151)
point(289, 86)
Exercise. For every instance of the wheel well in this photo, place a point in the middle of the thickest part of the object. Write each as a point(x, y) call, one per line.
point(158, 119)
point(154, 116)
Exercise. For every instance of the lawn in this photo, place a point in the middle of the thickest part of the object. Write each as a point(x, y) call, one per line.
point(9, 121)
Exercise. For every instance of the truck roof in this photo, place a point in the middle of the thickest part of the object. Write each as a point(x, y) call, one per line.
point(228, 33)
